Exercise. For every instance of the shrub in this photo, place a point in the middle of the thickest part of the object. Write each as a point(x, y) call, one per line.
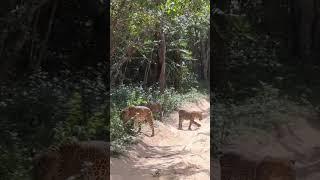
point(123, 96)
point(259, 114)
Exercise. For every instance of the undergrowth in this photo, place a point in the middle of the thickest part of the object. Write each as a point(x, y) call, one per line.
point(124, 96)
point(256, 114)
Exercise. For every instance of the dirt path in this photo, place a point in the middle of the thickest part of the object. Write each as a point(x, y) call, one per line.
point(171, 154)
point(299, 140)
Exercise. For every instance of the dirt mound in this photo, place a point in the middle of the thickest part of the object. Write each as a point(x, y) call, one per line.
point(171, 154)
point(294, 140)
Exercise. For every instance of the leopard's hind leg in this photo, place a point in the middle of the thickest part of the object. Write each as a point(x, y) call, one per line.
point(191, 122)
point(161, 115)
point(152, 128)
point(197, 124)
point(150, 119)
point(180, 122)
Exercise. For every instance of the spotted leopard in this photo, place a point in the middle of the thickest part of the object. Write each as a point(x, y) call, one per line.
point(237, 167)
point(87, 159)
point(155, 107)
point(139, 115)
point(189, 115)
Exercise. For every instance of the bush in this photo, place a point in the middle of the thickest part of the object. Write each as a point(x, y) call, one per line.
point(259, 114)
point(123, 96)
point(43, 110)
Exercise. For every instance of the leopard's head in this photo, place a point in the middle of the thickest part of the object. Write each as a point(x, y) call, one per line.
point(200, 118)
point(155, 107)
point(125, 115)
point(45, 166)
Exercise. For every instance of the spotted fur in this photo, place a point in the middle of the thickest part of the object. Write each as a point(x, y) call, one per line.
point(89, 160)
point(139, 115)
point(189, 115)
point(155, 107)
point(276, 168)
point(237, 167)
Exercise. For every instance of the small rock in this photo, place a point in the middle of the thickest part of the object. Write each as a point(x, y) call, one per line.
point(156, 173)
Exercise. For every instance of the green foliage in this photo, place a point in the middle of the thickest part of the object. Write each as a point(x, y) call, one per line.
point(15, 163)
point(79, 126)
point(44, 110)
point(184, 24)
point(97, 124)
point(75, 113)
point(246, 63)
point(120, 136)
point(130, 95)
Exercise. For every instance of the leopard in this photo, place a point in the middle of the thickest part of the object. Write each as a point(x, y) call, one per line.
point(189, 115)
point(155, 107)
point(139, 115)
point(276, 168)
point(237, 167)
point(86, 159)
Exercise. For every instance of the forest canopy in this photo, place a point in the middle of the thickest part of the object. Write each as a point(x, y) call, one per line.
point(265, 56)
point(136, 29)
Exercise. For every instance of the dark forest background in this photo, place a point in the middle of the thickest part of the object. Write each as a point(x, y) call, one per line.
point(265, 60)
point(54, 77)
point(276, 42)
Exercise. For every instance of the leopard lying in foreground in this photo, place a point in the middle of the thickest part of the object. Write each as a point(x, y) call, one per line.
point(234, 167)
point(139, 114)
point(189, 115)
point(87, 159)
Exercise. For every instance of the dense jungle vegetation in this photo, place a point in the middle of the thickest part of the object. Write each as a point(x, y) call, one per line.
point(159, 53)
point(265, 63)
point(62, 78)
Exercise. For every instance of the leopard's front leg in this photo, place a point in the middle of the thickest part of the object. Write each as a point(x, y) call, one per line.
point(139, 130)
point(180, 123)
point(152, 128)
point(150, 120)
point(191, 122)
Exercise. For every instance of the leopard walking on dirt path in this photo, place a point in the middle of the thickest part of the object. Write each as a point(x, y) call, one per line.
point(189, 115)
point(139, 115)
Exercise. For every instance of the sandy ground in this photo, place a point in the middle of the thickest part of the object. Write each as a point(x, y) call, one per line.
point(299, 140)
point(171, 154)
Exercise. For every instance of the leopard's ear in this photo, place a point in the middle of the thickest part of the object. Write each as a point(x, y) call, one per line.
point(125, 110)
point(129, 108)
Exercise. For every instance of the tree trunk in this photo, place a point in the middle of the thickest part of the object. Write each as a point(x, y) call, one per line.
point(15, 41)
point(36, 61)
point(223, 5)
point(162, 60)
point(205, 56)
point(206, 64)
point(303, 14)
point(219, 49)
point(316, 30)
